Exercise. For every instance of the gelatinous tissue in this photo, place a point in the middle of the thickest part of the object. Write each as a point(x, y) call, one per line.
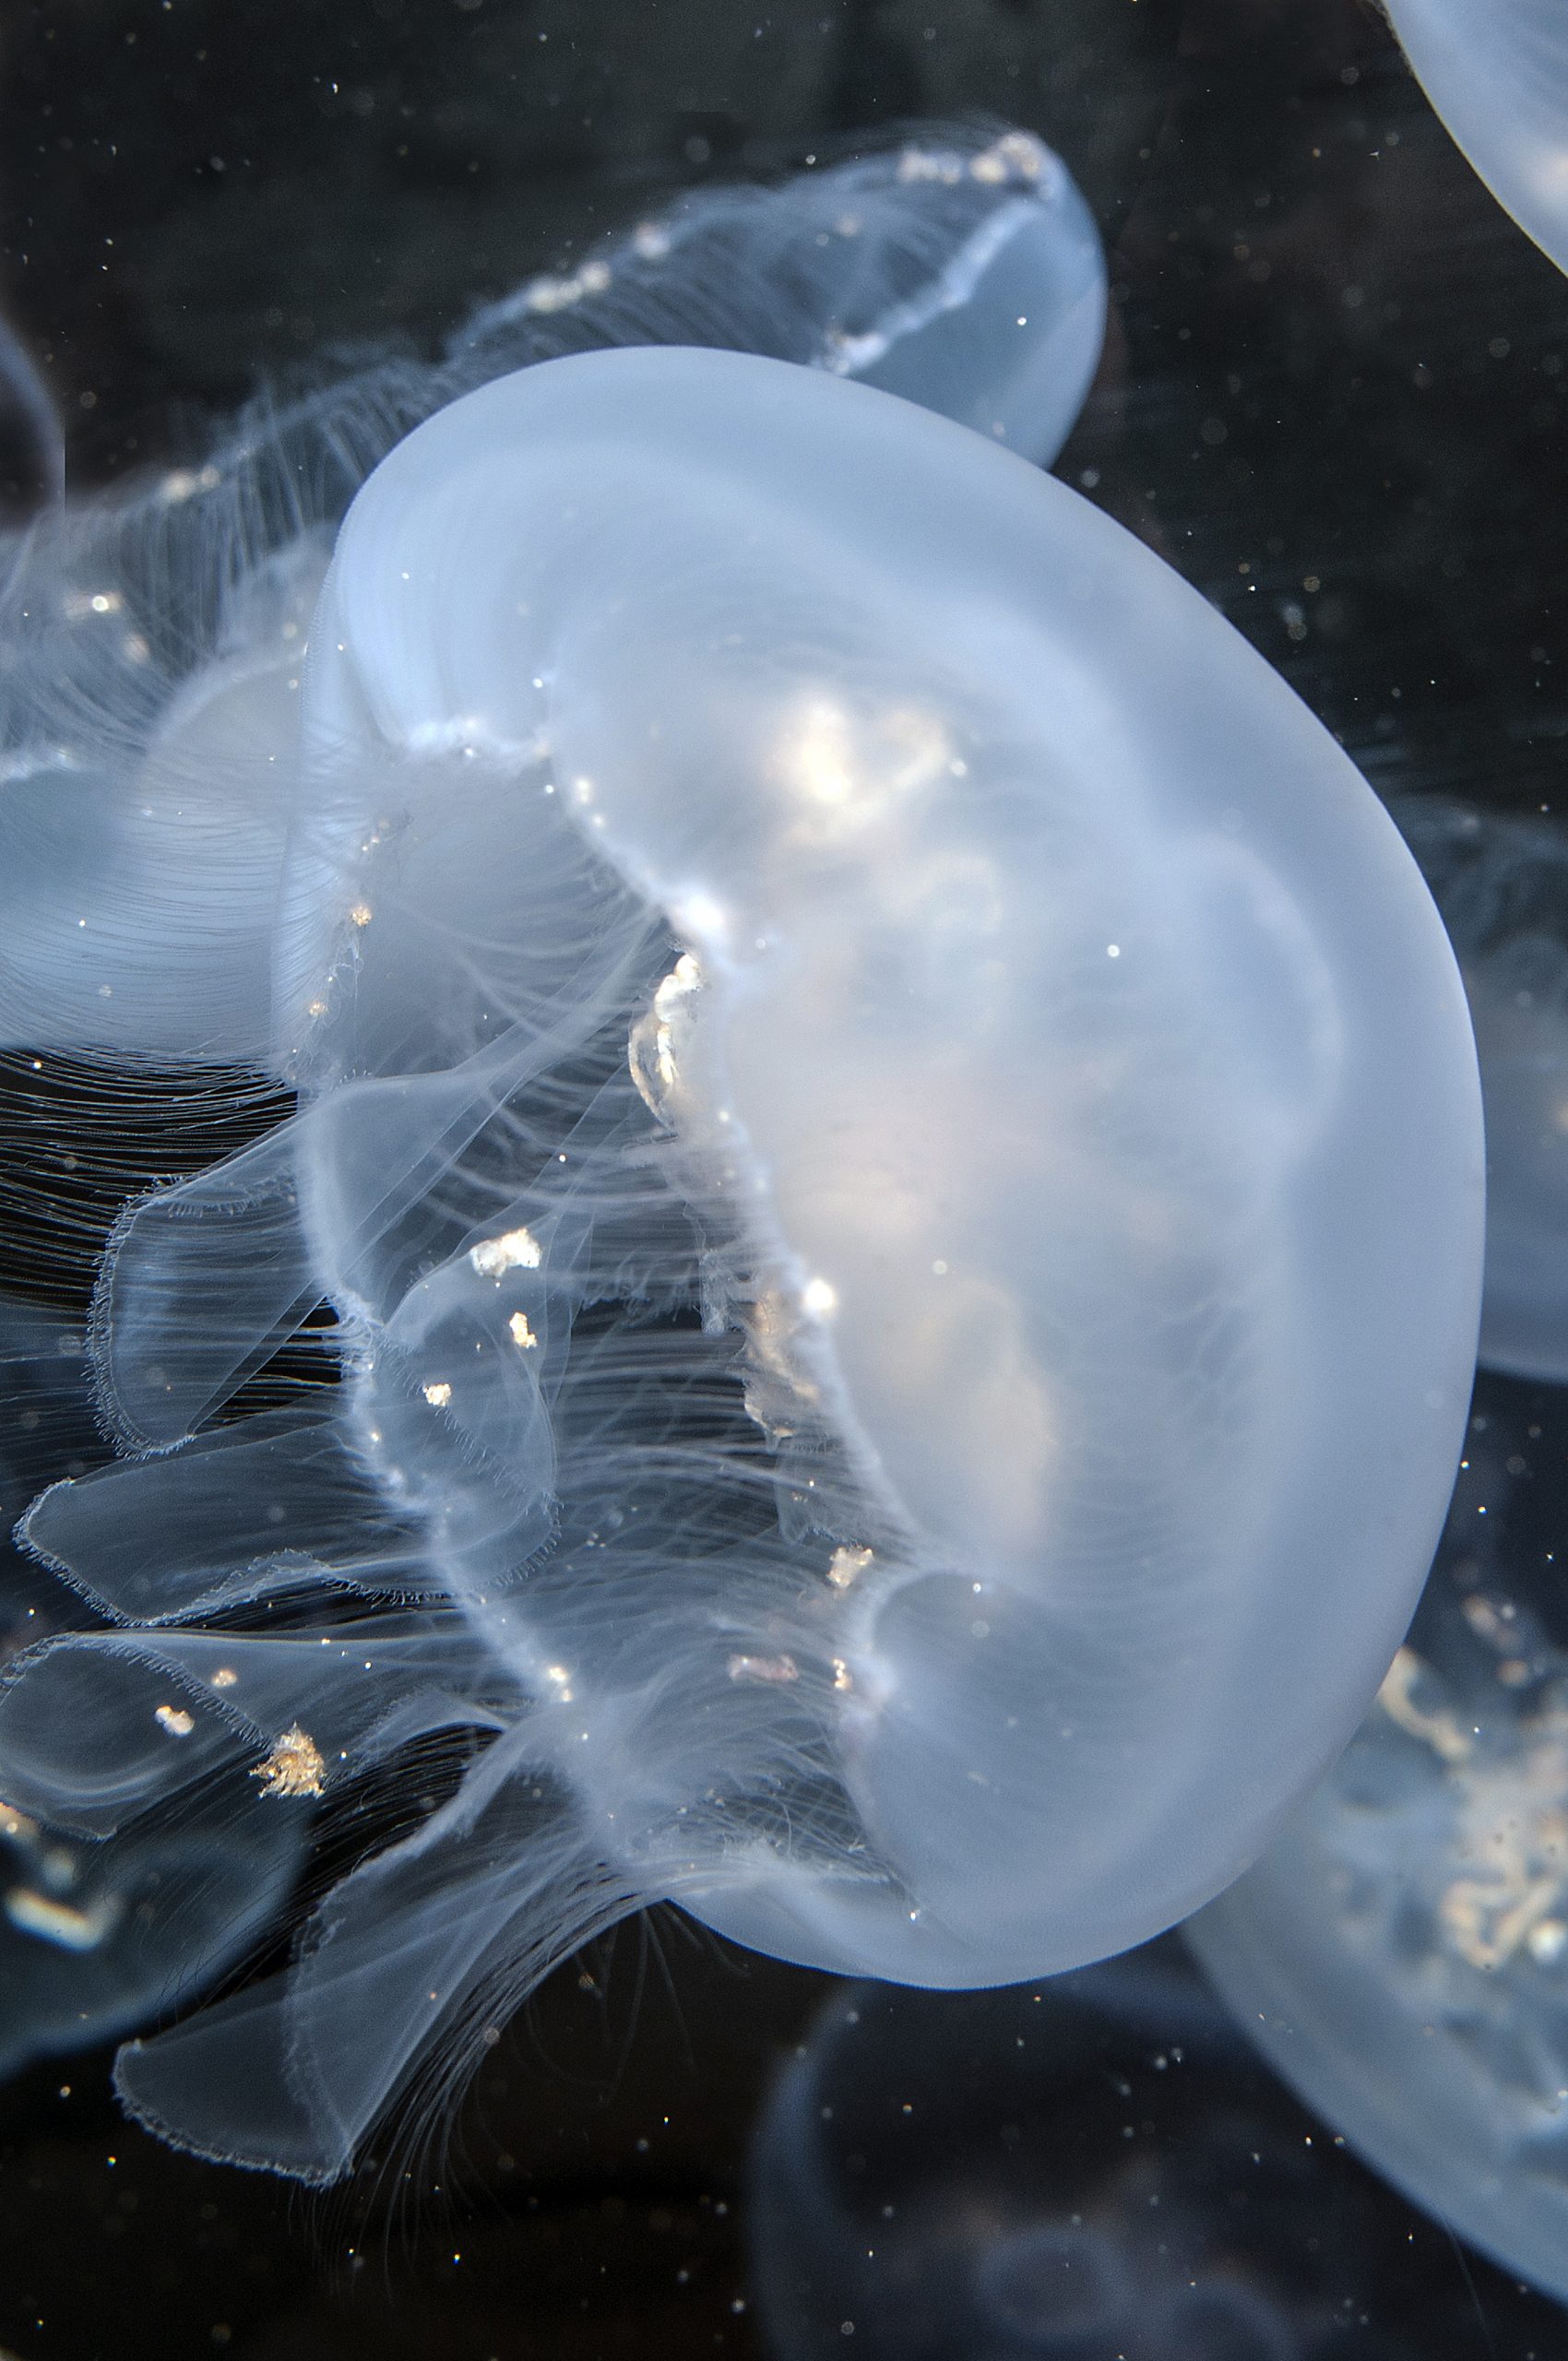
point(1096, 2166)
point(1497, 73)
point(1400, 1952)
point(891, 1140)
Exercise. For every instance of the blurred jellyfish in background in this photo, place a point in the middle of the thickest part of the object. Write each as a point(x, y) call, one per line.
point(1497, 73)
point(889, 1132)
point(97, 1935)
point(180, 614)
point(1401, 1955)
point(1501, 885)
point(1088, 2168)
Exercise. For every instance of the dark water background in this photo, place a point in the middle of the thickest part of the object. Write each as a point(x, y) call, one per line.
point(1332, 395)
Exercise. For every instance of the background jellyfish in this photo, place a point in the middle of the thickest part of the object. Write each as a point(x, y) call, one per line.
point(114, 1910)
point(32, 443)
point(1096, 2166)
point(837, 1373)
point(1501, 884)
point(1497, 72)
point(1400, 1953)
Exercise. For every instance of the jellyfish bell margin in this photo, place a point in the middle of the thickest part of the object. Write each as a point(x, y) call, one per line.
point(894, 1138)
point(1497, 73)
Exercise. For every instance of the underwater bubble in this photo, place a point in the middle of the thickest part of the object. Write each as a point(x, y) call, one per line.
point(1497, 73)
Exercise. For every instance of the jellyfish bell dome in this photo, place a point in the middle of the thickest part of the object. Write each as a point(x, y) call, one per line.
point(1497, 73)
point(1055, 1045)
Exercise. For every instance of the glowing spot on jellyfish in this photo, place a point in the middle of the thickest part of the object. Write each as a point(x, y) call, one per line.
point(777, 1391)
point(849, 1091)
point(360, 915)
point(225, 1677)
point(1015, 156)
point(656, 1042)
point(294, 1767)
point(845, 1563)
point(522, 1335)
point(773, 1671)
point(922, 164)
point(17, 1824)
point(515, 1249)
point(1511, 1839)
point(817, 762)
point(703, 918)
point(1547, 1942)
point(559, 1680)
point(175, 1720)
point(438, 1392)
point(843, 1678)
point(1511, 1831)
point(1433, 1724)
point(853, 772)
point(57, 1922)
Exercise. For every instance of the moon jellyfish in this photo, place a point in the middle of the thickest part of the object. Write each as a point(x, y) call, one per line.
point(1401, 1955)
point(1093, 2168)
point(964, 272)
point(1501, 885)
point(106, 1917)
point(889, 1138)
point(1497, 73)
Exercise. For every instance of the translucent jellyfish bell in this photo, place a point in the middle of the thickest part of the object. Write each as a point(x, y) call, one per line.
point(1497, 73)
point(1400, 1954)
point(1501, 884)
point(960, 269)
point(892, 1138)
